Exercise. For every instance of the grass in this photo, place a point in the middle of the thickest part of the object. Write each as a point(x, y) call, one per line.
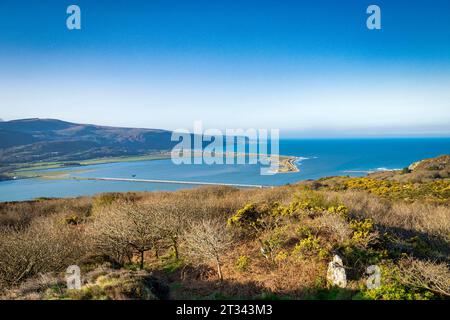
point(284, 239)
point(33, 170)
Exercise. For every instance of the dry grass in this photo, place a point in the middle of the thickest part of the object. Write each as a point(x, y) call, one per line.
point(34, 231)
point(426, 218)
point(290, 277)
point(21, 213)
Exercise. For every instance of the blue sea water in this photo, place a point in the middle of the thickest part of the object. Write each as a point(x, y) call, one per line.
point(319, 158)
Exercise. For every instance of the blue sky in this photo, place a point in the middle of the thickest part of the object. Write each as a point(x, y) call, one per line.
point(309, 68)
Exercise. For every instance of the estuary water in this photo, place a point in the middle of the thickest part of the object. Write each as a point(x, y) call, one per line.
point(317, 158)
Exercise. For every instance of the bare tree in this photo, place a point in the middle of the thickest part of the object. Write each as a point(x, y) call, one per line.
point(109, 235)
point(171, 218)
point(426, 275)
point(47, 245)
point(122, 228)
point(207, 241)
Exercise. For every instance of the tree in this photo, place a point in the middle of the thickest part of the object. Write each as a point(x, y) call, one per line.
point(46, 245)
point(208, 240)
point(171, 220)
point(125, 228)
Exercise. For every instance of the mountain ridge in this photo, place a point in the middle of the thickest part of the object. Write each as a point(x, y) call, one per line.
point(35, 139)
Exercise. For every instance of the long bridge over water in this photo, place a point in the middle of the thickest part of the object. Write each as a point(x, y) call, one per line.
point(202, 183)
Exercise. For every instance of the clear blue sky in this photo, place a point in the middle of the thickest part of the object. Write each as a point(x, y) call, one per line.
point(309, 68)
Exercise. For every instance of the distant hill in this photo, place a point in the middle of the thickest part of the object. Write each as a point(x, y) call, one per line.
point(29, 140)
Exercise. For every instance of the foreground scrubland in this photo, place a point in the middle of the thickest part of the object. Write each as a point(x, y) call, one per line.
point(218, 242)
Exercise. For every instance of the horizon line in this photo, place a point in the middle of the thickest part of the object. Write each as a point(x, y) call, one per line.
point(291, 135)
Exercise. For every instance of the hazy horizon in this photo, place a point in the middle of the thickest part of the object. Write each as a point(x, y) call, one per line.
point(285, 134)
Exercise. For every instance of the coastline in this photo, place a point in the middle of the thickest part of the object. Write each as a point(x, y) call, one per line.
point(27, 171)
point(288, 165)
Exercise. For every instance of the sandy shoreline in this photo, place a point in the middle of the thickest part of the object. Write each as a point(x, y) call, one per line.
point(286, 164)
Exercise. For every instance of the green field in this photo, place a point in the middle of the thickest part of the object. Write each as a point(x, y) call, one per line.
point(33, 170)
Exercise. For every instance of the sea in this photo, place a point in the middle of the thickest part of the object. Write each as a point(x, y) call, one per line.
point(316, 158)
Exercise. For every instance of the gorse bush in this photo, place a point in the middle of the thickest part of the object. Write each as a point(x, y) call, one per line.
point(253, 218)
point(308, 202)
point(281, 256)
point(393, 288)
point(272, 242)
point(438, 190)
point(242, 263)
point(275, 242)
point(268, 215)
point(308, 246)
point(361, 229)
point(246, 217)
point(303, 231)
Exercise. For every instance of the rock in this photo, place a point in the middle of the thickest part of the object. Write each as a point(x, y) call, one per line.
point(336, 272)
point(414, 165)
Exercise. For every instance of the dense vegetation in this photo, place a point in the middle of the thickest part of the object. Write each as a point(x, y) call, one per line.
point(219, 242)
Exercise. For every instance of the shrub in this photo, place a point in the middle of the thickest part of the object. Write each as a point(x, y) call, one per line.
point(304, 231)
point(361, 229)
point(308, 246)
point(281, 256)
point(340, 210)
point(308, 202)
point(271, 242)
point(405, 170)
point(334, 227)
point(103, 200)
point(392, 288)
point(438, 190)
point(73, 220)
point(358, 258)
point(247, 217)
point(425, 275)
point(242, 263)
point(45, 246)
